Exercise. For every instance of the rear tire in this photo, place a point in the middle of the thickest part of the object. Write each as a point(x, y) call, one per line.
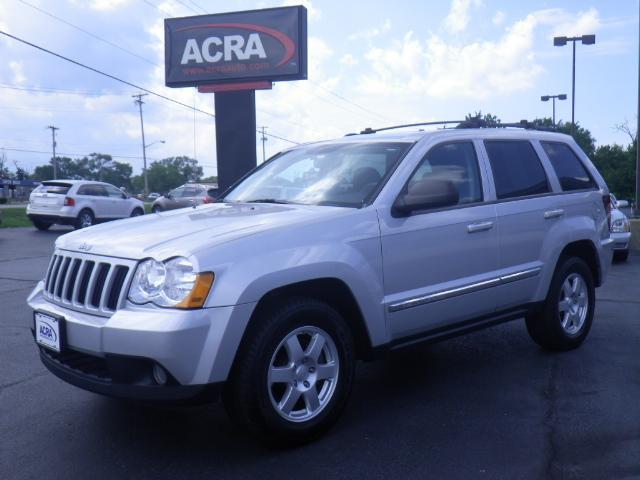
point(85, 219)
point(286, 394)
point(565, 319)
point(40, 225)
point(620, 255)
point(156, 209)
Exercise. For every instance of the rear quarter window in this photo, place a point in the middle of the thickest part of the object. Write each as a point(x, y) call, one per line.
point(517, 170)
point(570, 171)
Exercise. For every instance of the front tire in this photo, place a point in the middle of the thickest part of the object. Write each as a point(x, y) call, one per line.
point(294, 372)
point(156, 209)
point(40, 225)
point(565, 319)
point(85, 219)
point(137, 212)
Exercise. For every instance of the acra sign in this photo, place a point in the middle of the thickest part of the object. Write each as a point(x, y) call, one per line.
point(236, 47)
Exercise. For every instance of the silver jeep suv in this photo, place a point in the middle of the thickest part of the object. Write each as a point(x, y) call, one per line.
point(329, 253)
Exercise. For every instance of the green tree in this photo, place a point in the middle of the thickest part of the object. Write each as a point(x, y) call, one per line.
point(172, 172)
point(617, 165)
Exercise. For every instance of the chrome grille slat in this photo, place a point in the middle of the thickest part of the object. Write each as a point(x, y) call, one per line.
point(58, 279)
point(90, 286)
point(105, 286)
point(106, 289)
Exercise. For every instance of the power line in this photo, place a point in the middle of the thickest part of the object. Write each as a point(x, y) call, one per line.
point(113, 77)
point(157, 8)
point(23, 150)
point(87, 32)
point(198, 5)
point(27, 88)
point(364, 109)
point(186, 6)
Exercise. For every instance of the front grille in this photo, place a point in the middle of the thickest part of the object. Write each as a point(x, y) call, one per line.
point(89, 283)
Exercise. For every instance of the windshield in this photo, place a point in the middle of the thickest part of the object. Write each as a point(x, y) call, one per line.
point(346, 174)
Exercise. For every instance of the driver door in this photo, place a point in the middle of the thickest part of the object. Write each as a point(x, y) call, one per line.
point(438, 264)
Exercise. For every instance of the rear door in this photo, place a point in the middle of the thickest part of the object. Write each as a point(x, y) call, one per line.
point(95, 197)
point(118, 204)
point(439, 264)
point(526, 208)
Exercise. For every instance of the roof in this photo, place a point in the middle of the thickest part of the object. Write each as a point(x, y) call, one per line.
point(412, 136)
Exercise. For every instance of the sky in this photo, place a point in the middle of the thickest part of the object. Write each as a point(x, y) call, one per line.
point(371, 64)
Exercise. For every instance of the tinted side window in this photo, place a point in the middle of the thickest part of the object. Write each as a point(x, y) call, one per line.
point(453, 162)
point(92, 190)
point(517, 171)
point(570, 171)
point(114, 192)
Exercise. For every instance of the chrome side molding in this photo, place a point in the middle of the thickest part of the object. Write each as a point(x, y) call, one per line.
point(470, 288)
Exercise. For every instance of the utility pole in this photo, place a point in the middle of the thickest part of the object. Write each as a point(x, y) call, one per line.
point(139, 102)
point(637, 205)
point(53, 145)
point(264, 139)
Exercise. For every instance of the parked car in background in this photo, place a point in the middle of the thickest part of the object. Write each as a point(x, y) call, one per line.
point(153, 196)
point(619, 203)
point(80, 203)
point(620, 230)
point(187, 195)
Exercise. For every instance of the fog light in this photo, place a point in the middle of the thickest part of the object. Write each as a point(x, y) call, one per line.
point(159, 375)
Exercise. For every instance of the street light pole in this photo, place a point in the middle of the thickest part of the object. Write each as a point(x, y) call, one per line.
point(139, 102)
point(561, 96)
point(53, 145)
point(560, 42)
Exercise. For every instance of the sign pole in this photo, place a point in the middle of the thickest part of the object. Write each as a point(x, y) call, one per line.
point(235, 135)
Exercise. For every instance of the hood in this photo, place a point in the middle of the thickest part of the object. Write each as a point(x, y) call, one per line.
point(188, 230)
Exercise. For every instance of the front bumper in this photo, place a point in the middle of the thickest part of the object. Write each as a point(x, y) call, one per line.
point(621, 240)
point(195, 347)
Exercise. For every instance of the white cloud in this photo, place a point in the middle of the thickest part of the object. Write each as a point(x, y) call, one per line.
point(585, 23)
point(371, 32)
point(439, 69)
point(17, 70)
point(349, 60)
point(458, 17)
point(312, 12)
point(106, 5)
point(498, 18)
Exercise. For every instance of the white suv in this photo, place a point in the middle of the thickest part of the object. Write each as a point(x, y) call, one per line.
point(326, 254)
point(80, 203)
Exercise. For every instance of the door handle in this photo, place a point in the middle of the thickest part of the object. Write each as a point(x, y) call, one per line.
point(479, 227)
point(553, 213)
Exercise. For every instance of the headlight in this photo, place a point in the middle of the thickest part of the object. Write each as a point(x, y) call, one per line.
point(172, 283)
point(620, 226)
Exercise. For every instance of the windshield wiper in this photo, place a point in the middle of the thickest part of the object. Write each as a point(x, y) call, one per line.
point(267, 200)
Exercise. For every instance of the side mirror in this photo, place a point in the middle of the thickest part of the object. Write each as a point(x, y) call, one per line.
point(169, 196)
point(425, 195)
point(125, 196)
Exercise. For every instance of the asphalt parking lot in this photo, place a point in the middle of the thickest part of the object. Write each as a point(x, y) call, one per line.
point(488, 405)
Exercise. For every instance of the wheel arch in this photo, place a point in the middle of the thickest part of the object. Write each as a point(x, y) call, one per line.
point(332, 291)
point(586, 250)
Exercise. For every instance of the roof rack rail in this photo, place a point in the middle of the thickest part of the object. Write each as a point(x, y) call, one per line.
point(474, 122)
point(419, 124)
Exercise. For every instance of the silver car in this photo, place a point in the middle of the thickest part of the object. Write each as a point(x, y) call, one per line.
point(186, 195)
point(326, 254)
point(620, 231)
